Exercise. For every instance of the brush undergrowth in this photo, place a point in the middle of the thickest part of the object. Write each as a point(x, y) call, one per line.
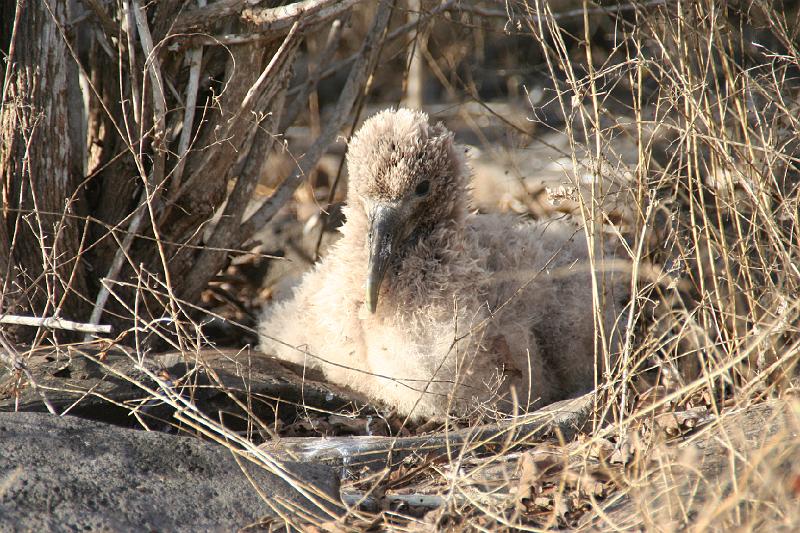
point(683, 141)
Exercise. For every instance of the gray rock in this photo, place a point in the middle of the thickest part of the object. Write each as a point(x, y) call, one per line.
point(71, 474)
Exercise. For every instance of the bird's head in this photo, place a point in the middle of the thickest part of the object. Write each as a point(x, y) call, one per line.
point(408, 177)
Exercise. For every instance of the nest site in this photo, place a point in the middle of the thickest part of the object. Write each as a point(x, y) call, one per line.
point(669, 127)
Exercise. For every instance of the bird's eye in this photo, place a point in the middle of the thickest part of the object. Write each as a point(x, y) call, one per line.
point(423, 188)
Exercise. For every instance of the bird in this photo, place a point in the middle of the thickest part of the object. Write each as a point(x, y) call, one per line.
point(432, 309)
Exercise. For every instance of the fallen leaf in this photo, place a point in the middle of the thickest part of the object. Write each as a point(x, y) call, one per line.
point(682, 422)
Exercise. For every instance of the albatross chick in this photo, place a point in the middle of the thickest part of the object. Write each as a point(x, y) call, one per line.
point(433, 309)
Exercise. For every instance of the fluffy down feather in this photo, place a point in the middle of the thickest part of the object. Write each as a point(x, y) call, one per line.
point(474, 311)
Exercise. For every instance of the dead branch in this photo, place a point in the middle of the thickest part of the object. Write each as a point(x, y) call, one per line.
point(116, 264)
point(561, 15)
point(331, 45)
point(54, 323)
point(196, 18)
point(107, 23)
point(153, 66)
point(394, 34)
point(355, 83)
point(270, 85)
point(275, 20)
point(130, 34)
point(16, 363)
point(195, 61)
point(558, 420)
point(237, 126)
point(98, 383)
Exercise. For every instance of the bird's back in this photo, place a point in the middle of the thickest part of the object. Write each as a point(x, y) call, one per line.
point(541, 277)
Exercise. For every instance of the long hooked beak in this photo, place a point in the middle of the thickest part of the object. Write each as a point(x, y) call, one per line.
point(383, 231)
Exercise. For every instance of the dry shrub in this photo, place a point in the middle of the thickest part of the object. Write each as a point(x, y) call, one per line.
point(707, 93)
point(680, 122)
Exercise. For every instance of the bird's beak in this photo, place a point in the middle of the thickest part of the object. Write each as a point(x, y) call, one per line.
point(383, 231)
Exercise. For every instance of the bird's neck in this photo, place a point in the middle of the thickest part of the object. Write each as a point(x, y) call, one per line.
point(428, 238)
point(424, 258)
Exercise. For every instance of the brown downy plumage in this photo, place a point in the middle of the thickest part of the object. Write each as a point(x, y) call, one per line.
point(434, 310)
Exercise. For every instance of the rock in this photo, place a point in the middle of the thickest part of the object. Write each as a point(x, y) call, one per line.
point(67, 473)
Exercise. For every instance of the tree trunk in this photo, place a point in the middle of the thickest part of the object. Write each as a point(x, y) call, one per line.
point(43, 200)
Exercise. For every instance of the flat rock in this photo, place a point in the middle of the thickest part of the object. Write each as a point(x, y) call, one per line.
point(72, 474)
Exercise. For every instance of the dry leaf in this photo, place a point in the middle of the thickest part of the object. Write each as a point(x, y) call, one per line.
point(681, 422)
point(601, 449)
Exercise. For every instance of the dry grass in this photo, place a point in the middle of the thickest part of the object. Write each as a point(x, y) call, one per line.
point(681, 137)
point(707, 94)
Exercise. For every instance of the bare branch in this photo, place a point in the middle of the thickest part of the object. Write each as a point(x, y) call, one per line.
point(558, 420)
point(199, 17)
point(273, 20)
point(130, 34)
point(270, 86)
point(237, 127)
point(331, 45)
point(195, 57)
point(108, 25)
point(116, 264)
point(355, 82)
point(561, 15)
point(276, 19)
point(53, 323)
point(447, 5)
point(10, 353)
point(153, 66)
